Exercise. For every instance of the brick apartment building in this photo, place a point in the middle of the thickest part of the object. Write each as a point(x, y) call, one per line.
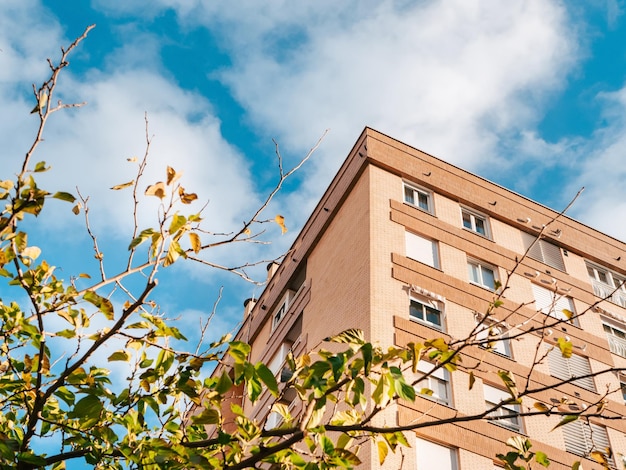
point(407, 247)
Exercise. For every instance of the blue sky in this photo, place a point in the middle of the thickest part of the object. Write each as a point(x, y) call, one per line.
point(529, 94)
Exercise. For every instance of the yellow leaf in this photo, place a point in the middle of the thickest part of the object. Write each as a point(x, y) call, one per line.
point(196, 244)
point(186, 198)
point(598, 457)
point(280, 220)
point(117, 187)
point(157, 190)
point(131, 159)
point(76, 208)
point(172, 175)
point(247, 231)
point(541, 407)
point(383, 450)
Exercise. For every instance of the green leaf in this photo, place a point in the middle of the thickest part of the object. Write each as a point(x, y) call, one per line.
point(224, 384)
point(565, 420)
point(239, 351)
point(40, 167)
point(87, 407)
point(208, 416)
point(103, 304)
point(509, 382)
point(30, 458)
point(119, 356)
point(577, 465)
point(64, 196)
point(66, 333)
point(142, 237)
point(541, 407)
point(267, 377)
point(351, 336)
point(177, 222)
point(542, 459)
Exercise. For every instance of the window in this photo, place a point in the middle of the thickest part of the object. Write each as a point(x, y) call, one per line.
point(422, 249)
point(281, 311)
point(582, 437)
point(544, 251)
point(506, 414)
point(475, 222)
point(429, 453)
point(435, 386)
point(418, 198)
point(607, 285)
point(616, 335)
point(426, 311)
point(278, 360)
point(553, 304)
point(481, 274)
point(497, 337)
point(622, 386)
point(574, 366)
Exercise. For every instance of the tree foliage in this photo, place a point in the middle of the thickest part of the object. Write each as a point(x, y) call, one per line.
point(58, 402)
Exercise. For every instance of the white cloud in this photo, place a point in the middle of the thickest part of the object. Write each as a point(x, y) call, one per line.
point(601, 170)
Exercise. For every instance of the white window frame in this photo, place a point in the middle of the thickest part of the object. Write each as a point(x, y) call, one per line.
point(498, 337)
point(277, 361)
point(471, 222)
point(552, 304)
point(582, 437)
point(607, 284)
point(282, 309)
point(544, 251)
point(566, 368)
point(428, 306)
point(615, 335)
point(416, 192)
point(438, 383)
point(479, 266)
point(428, 452)
point(495, 396)
point(422, 249)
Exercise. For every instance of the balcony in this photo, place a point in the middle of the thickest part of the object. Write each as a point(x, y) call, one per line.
point(617, 345)
point(605, 291)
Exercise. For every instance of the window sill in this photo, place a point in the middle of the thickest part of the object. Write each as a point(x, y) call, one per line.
point(419, 208)
point(486, 237)
point(432, 326)
point(482, 287)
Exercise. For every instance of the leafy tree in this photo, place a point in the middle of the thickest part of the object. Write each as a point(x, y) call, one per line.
point(56, 390)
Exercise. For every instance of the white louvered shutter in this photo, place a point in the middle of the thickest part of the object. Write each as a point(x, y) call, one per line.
point(566, 368)
point(544, 251)
point(552, 303)
point(581, 438)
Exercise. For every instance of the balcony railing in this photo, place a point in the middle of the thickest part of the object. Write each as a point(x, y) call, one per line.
point(617, 345)
point(605, 291)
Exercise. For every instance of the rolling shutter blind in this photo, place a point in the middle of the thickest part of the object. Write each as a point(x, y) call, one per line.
point(544, 251)
point(581, 438)
point(566, 368)
point(551, 303)
point(421, 249)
